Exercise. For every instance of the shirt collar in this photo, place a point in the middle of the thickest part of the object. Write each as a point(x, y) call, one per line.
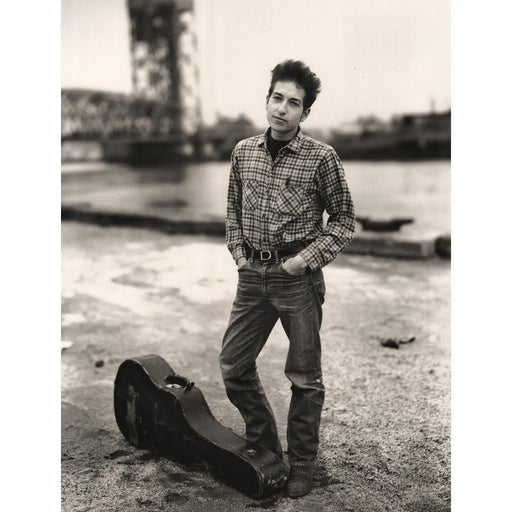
point(294, 144)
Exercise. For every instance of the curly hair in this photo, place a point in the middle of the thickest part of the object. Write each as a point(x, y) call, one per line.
point(296, 71)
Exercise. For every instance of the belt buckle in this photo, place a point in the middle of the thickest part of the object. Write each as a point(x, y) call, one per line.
point(268, 255)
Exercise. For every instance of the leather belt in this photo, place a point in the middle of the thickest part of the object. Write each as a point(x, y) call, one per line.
point(274, 254)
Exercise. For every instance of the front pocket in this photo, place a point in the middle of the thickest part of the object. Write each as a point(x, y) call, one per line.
point(244, 266)
point(284, 271)
point(291, 201)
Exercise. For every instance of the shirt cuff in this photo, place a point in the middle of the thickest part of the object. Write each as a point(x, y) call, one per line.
point(309, 257)
point(238, 252)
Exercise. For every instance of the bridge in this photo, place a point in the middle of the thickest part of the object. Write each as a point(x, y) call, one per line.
point(131, 128)
point(162, 117)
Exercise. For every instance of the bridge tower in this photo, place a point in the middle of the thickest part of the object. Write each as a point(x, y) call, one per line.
point(164, 61)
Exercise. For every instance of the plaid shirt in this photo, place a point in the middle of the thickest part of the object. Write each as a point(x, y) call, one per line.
point(274, 205)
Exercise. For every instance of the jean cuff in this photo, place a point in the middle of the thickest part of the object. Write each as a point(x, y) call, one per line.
point(303, 463)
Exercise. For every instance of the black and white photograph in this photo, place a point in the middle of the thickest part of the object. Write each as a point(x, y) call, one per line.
point(228, 277)
point(255, 255)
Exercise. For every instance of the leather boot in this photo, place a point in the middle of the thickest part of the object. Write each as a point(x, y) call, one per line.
point(300, 481)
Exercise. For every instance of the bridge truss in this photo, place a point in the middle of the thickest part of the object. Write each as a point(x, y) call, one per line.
point(163, 45)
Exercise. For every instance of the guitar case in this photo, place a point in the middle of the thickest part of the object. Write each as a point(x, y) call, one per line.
point(159, 410)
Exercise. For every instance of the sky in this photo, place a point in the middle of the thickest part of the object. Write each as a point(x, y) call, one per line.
point(380, 57)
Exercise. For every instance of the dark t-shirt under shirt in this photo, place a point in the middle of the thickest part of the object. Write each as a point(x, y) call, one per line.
point(275, 145)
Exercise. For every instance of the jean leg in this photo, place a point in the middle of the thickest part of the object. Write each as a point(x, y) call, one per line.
point(300, 311)
point(252, 319)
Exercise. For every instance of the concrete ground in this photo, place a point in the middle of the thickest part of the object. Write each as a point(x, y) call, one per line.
point(386, 422)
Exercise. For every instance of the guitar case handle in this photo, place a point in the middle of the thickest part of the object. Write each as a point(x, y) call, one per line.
point(180, 381)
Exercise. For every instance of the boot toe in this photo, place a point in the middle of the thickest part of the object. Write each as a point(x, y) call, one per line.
point(300, 481)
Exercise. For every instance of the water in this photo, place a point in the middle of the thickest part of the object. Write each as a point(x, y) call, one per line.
point(380, 190)
point(420, 190)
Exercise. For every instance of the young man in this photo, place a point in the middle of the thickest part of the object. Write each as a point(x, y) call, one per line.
point(280, 184)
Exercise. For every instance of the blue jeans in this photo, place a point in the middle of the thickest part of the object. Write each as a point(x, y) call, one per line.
point(265, 293)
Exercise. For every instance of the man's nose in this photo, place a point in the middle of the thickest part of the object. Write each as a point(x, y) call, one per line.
point(282, 107)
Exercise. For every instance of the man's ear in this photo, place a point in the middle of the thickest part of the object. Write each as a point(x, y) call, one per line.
point(266, 99)
point(305, 114)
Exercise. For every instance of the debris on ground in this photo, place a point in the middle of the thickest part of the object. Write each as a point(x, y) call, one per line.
point(395, 342)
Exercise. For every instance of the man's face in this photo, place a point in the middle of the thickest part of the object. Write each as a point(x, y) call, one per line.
point(285, 110)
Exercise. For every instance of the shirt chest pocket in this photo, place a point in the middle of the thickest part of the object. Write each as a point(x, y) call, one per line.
point(250, 194)
point(291, 200)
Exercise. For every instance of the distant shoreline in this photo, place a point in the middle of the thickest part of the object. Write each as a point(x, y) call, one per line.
point(125, 151)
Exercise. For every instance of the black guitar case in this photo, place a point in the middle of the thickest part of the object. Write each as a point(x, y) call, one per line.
point(157, 409)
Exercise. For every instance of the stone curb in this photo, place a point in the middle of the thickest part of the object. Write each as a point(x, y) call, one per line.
point(384, 247)
point(387, 247)
point(108, 218)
